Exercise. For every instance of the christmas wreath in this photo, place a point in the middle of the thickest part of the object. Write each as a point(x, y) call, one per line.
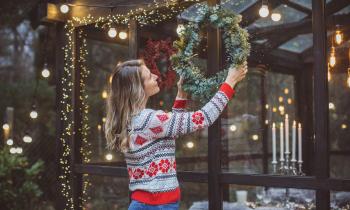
point(157, 58)
point(235, 40)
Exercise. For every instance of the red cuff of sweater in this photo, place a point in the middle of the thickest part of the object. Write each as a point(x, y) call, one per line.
point(160, 198)
point(180, 104)
point(227, 89)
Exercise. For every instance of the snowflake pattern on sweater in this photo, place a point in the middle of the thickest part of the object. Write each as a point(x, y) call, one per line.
point(151, 160)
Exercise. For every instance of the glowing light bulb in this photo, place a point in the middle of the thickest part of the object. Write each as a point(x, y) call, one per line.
point(27, 138)
point(104, 94)
point(344, 126)
point(64, 8)
point(280, 99)
point(45, 72)
point(5, 126)
point(9, 142)
point(190, 144)
point(13, 150)
point(19, 150)
point(286, 91)
point(112, 32)
point(33, 114)
point(264, 11)
point(338, 37)
point(289, 101)
point(123, 35)
point(180, 29)
point(276, 16)
point(233, 128)
point(255, 137)
point(331, 106)
point(332, 60)
point(109, 156)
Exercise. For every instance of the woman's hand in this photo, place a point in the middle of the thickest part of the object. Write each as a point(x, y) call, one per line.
point(235, 75)
point(180, 92)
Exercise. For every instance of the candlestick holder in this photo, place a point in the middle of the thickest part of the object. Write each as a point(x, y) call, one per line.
point(287, 170)
point(293, 167)
point(281, 169)
point(274, 166)
point(300, 168)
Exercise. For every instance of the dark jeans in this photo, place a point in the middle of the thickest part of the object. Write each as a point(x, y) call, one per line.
point(135, 205)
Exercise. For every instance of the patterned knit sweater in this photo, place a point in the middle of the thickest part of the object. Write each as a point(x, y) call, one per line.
point(151, 158)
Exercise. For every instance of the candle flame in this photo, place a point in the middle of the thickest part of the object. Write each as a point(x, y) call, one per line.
point(286, 116)
point(282, 124)
point(273, 125)
point(294, 123)
point(299, 125)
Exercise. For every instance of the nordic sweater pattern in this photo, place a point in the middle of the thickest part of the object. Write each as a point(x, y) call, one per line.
point(150, 160)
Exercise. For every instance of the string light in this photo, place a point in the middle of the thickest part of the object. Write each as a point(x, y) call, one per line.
point(104, 94)
point(64, 8)
point(338, 35)
point(27, 139)
point(109, 157)
point(123, 35)
point(33, 114)
point(348, 80)
point(344, 126)
point(275, 16)
point(329, 76)
point(255, 137)
point(6, 126)
point(180, 28)
point(331, 106)
point(233, 128)
point(9, 142)
point(332, 60)
point(289, 101)
point(45, 72)
point(112, 32)
point(13, 150)
point(286, 91)
point(280, 99)
point(190, 144)
point(264, 10)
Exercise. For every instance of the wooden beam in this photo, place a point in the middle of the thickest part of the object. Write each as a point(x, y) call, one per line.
point(133, 39)
point(297, 7)
point(214, 64)
point(320, 102)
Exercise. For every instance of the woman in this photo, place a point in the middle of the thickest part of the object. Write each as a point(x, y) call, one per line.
point(147, 136)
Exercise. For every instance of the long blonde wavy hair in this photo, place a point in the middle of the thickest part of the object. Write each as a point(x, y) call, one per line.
point(126, 96)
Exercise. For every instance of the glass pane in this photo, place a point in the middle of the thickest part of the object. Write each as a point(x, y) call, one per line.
point(101, 59)
point(344, 11)
point(306, 3)
point(340, 200)
point(268, 198)
point(339, 98)
point(192, 194)
point(237, 6)
point(288, 15)
point(242, 131)
point(298, 44)
point(106, 193)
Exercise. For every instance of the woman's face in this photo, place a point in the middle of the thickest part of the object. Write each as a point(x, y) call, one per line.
point(149, 81)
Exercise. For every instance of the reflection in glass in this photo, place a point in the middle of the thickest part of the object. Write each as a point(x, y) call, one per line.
point(106, 193)
point(101, 59)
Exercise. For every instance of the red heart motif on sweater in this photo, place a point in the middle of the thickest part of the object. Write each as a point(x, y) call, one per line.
point(140, 140)
point(157, 130)
point(162, 117)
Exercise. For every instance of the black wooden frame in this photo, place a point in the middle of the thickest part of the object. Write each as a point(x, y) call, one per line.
point(215, 177)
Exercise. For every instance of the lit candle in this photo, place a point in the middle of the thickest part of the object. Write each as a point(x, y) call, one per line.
point(286, 124)
point(281, 143)
point(300, 152)
point(274, 143)
point(294, 140)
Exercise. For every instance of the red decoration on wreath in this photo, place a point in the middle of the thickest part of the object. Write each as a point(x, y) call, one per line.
point(156, 52)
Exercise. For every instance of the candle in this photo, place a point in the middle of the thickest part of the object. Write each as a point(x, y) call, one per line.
point(300, 152)
point(274, 143)
point(286, 124)
point(281, 143)
point(294, 140)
